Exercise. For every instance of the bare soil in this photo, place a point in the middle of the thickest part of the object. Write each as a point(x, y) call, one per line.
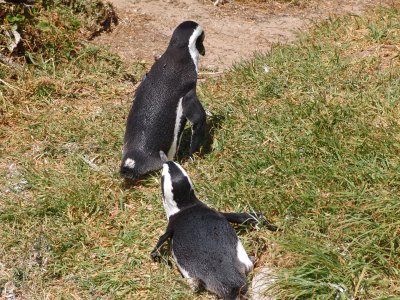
point(234, 30)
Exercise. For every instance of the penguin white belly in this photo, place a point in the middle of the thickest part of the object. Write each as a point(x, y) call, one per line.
point(179, 113)
point(243, 257)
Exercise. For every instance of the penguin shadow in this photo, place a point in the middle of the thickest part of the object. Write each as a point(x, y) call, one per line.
point(214, 122)
point(129, 183)
point(145, 181)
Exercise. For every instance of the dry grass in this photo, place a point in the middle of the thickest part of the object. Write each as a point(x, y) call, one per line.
point(314, 143)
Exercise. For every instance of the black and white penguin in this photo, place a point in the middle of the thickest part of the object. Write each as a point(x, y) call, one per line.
point(165, 99)
point(205, 247)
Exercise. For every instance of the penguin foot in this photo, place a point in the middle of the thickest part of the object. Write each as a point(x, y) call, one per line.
point(155, 255)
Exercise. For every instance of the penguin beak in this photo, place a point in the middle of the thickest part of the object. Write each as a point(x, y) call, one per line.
point(202, 50)
point(200, 45)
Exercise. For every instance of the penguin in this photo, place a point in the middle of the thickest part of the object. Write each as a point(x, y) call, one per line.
point(165, 99)
point(205, 246)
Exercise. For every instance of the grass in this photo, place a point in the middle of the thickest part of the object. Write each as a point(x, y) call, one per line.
point(314, 143)
point(269, 3)
point(51, 29)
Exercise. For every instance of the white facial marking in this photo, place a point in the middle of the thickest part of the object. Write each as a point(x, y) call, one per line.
point(243, 257)
point(170, 205)
point(194, 53)
point(129, 163)
point(184, 173)
point(179, 112)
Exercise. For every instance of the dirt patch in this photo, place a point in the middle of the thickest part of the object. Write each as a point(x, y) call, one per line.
point(234, 30)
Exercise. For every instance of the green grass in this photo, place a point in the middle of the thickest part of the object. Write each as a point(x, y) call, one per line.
point(314, 143)
point(52, 29)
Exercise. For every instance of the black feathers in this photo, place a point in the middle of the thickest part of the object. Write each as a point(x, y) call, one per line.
point(165, 99)
point(204, 244)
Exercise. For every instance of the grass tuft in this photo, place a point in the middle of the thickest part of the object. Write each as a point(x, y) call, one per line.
point(313, 143)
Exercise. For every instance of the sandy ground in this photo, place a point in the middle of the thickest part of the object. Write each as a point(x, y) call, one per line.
point(234, 30)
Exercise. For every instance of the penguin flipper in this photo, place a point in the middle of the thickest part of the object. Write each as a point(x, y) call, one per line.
point(195, 113)
point(167, 235)
point(249, 218)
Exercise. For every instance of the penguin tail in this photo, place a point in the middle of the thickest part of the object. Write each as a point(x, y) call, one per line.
point(129, 168)
point(128, 173)
point(136, 166)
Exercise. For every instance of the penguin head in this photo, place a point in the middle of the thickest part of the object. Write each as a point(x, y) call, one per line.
point(177, 188)
point(189, 35)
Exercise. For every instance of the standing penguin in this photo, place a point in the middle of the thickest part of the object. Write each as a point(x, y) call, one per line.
point(165, 99)
point(205, 247)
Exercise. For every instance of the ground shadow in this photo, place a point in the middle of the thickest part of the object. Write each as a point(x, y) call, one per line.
point(129, 183)
point(214, 122)
point(144, 181)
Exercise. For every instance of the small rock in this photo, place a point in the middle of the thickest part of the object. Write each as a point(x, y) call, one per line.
point(263, 280)
point(8, 291)
point(14, 38)
point(17, 183)
point(90, 162)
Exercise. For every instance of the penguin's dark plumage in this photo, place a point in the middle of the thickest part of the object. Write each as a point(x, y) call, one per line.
point(164, 100)
point(204, 245)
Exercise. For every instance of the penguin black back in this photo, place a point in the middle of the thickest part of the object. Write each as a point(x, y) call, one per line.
point(164, 100)
point(204, 245)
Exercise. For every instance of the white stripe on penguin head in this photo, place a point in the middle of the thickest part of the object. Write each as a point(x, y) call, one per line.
point(170, 205)
point(184, 174)
point(194, 53)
